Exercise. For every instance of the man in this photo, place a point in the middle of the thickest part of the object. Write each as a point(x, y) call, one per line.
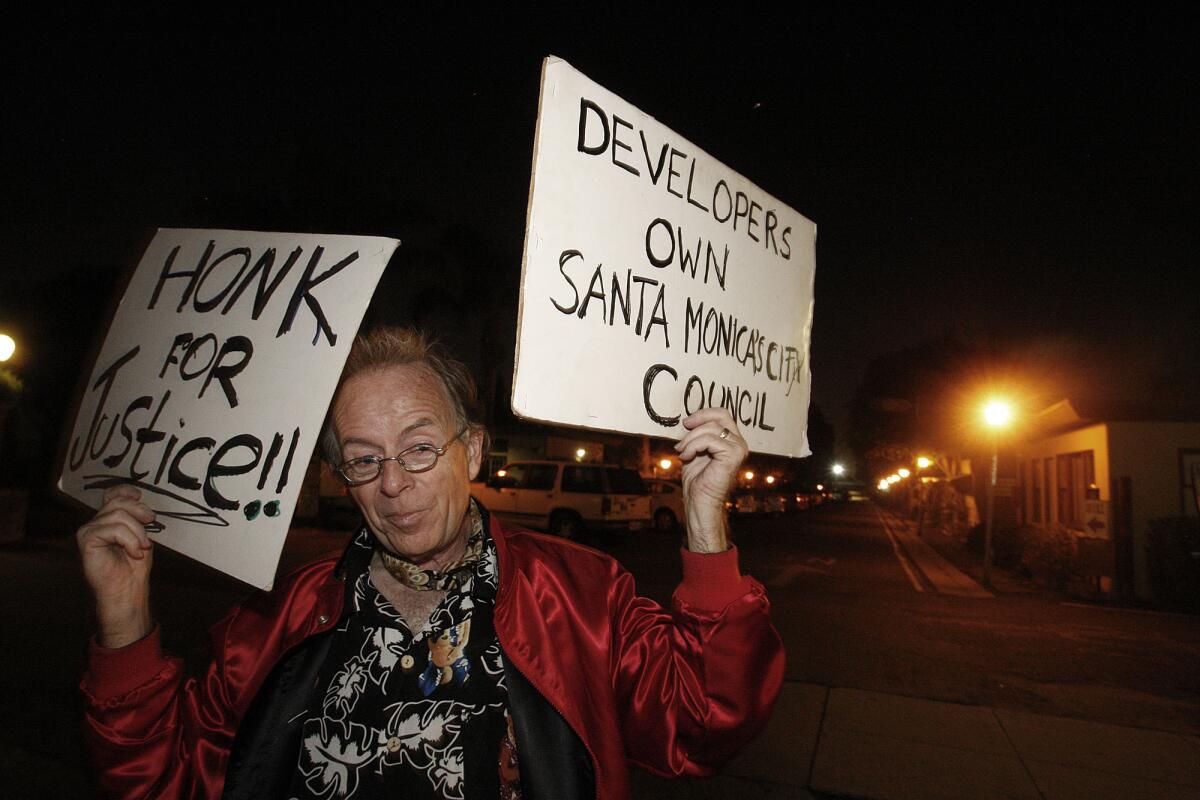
point(444, 655)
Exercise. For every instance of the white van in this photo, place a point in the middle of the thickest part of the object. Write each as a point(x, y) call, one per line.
point(566, 497)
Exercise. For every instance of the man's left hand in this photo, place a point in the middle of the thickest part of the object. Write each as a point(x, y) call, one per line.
point(712, 450)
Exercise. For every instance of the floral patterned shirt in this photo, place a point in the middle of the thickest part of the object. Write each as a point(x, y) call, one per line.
point(412, 714)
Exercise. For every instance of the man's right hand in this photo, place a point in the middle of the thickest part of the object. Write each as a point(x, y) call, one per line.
point(117, 556)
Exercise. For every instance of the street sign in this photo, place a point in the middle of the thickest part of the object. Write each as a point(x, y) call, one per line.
point(1095, 519)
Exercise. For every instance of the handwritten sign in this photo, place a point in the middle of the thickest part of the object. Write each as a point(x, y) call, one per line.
point(211, 387)
point(656, 281)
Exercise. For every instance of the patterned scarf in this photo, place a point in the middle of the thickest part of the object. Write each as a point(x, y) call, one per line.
point(452, 576)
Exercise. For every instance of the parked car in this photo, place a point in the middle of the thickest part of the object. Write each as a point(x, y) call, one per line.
point(565, 497)
point(798, 500)
point(746, 503)
point(812, 496)
point(666, 503)
point(774, 503)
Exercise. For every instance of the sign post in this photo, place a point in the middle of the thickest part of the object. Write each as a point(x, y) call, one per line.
point(656, 280)
point(211, 387)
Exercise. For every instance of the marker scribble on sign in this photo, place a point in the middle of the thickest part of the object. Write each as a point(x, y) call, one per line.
point(201, 515)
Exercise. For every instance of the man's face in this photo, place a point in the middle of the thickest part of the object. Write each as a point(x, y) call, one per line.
point(419, 516)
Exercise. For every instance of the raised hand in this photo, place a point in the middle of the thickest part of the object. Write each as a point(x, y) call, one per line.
point(712, 450)
point(117, 556)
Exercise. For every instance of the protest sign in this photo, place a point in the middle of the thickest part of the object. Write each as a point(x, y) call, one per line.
point(209, 392)
point(656, 281)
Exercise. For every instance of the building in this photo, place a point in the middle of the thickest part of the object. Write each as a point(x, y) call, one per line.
point(1104, 476)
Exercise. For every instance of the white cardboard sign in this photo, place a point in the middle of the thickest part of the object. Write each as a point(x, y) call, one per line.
point(212, 385)
point(656, 280)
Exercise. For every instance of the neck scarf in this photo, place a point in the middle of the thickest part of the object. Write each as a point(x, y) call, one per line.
point(446, 579)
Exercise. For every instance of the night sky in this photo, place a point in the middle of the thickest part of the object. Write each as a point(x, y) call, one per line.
point(1025, 180)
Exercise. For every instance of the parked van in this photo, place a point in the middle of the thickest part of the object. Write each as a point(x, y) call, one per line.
point(666, 503)
point(567, 497)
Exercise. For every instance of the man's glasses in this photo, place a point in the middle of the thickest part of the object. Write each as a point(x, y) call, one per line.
point(418, 458)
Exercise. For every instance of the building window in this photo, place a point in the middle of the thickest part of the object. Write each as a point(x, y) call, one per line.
point(1048, 493)
point(1035, 475)
point(1023, 488)
point(1076, 474)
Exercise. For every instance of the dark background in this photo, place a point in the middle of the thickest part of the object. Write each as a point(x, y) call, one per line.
point(1022, 179)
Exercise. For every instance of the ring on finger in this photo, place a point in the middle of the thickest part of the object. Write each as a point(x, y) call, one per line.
point(724, 433)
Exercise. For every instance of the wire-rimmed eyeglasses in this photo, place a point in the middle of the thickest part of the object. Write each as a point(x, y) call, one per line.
point(418, 458)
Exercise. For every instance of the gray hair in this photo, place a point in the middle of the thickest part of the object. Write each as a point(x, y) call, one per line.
point(386, 347)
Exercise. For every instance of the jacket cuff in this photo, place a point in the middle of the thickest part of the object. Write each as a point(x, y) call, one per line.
point(115, 672)
point(711, 581)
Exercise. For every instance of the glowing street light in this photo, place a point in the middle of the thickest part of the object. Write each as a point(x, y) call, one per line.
point(893, 478)
point(997, 413)
point(770, 479)
point(903, 472)
point(665, 463)
point(579, 454)
point(924, 462)
point(7, 347)
point(884, 485)
point(748, 475)
point(838, 470)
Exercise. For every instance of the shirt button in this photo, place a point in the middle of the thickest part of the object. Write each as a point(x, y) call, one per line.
point(321, 620)
point(393, 744)
point(406, 662)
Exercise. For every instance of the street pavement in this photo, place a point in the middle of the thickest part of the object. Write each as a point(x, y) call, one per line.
point(831, 740)
point(899, 682)
point(841, 742)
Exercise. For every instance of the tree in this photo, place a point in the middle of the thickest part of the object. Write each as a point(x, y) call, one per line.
point(910, 400)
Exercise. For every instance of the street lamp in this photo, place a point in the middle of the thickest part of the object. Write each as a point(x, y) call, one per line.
point(903, 472)
point(838, 470)
point(923, 462)
point(7, 347)
point(997, 414)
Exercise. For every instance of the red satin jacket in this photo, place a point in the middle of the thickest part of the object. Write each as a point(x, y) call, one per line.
point(676, 692)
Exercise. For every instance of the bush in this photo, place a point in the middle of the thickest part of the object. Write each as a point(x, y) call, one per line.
point(1008, 544)
point(1174, 560)
point(1049, 555)
point(975, 539)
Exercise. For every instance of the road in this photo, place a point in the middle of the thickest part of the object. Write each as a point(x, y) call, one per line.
point(853, 610)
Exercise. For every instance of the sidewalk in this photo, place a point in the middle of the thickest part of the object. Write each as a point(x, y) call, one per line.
point(940, 575)
point(854, 743)
point(826, 742)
